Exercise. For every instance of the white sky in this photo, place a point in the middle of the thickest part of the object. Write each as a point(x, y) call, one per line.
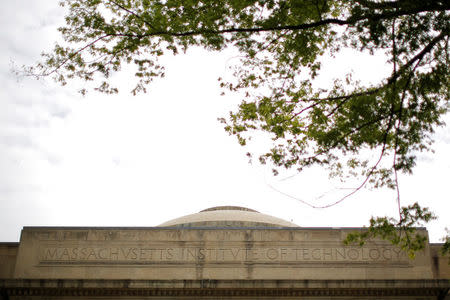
point(121, 160)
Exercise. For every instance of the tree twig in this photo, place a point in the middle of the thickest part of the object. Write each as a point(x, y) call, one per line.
point(132, 13)
point(418, 56)
point(74, 54)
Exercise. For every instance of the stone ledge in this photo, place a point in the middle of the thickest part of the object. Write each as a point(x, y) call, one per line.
point(208, 289)
point(429, 289)
point(225, 284)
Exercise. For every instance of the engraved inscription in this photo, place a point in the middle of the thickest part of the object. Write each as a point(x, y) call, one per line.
point(219, 255)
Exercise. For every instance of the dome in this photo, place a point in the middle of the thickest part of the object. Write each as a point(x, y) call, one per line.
point(228, 216)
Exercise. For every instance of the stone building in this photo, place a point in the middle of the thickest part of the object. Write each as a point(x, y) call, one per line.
point(218, 253)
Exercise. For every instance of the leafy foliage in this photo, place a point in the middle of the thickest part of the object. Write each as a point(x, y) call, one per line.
point(401, 232)
point(445, 250)
point(281, 42)
point(339, 127)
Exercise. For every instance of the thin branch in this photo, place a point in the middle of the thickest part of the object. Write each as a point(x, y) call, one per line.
point(292, 197)
point(132, 13)
point(343, 198)
point(394, 51)
point(418, 56)
point(398, 4)
point(353, 131)
point(282, 34)
point(319, 11)
point(397, 131)
point(397, 126)
point(337, 107)
point(364, 182)
point(345, 98)
point(383, 149)
point(74, 54)
point(391, 116)
point(371, 4)
point(368, 92)
point(397, 188)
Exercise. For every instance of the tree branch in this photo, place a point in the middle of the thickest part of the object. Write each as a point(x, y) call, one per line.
point(383, 149)
point(74, 54)
point(398, 4)
point(418, 56)
point(329, 21)
point(323, 22)
point(371, 4)
point(132, 13)
point(344, 99)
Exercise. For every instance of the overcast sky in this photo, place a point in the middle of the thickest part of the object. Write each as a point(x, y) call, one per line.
point(67, 160)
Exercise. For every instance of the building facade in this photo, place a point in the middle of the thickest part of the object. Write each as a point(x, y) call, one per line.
point(219, 253)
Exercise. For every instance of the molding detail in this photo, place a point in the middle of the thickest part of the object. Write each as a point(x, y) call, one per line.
point(229, 289)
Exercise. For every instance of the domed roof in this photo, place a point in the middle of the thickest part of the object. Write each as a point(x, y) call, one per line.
point(228, 216)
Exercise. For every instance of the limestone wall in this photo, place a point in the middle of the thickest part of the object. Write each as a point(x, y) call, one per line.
point(8, 255)
point(440, 264)
point(169, 253)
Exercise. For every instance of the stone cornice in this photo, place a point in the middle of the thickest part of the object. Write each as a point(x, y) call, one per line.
point(224, 288)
